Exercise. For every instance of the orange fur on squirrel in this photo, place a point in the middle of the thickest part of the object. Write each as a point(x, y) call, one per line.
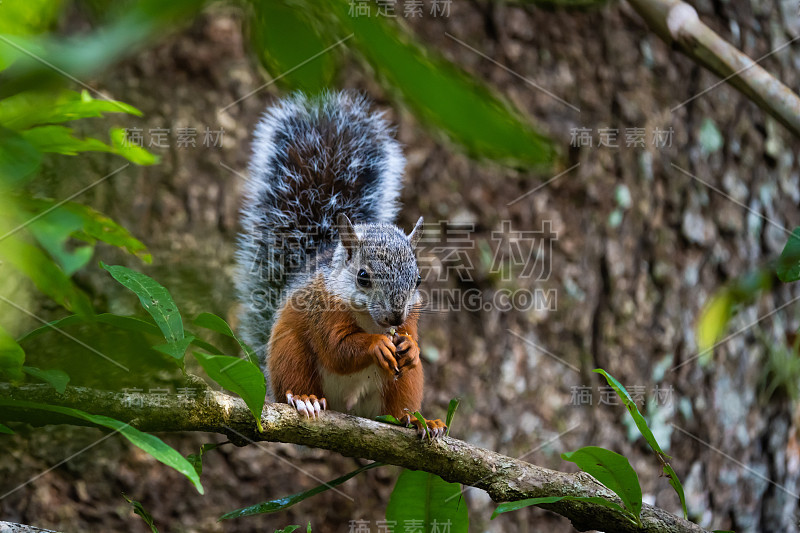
point(326, 335)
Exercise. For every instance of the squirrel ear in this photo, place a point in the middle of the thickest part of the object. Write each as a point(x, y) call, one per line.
point(347, 233)
point(416, 233)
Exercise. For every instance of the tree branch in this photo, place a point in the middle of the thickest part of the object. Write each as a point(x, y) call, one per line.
point(9, 527)
point(677, 24)
point(503, 478)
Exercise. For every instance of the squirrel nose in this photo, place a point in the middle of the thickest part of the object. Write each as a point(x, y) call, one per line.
point(395, 319)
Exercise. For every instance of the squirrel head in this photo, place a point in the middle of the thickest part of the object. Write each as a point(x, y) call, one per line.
point(376, 271)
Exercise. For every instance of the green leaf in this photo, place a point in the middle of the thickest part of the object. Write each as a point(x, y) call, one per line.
point(54, 225)
point(285, 39)
point(197, 458)
point(713, 320)
point(717, 312)
point(239, 376)
point(788, 267)
point(57, 378)
point(32, 262)
point(8, 54)
point(132, 152)
point(60, 140)
point(675, 482)
point(97, 226)
point(520, 504)
point(746, 287)
point(5, 429)
point(12, 356)
point(175, 349)
point(18, 158)
point(638, 419)
point(53, 231)
point(149, 443)
point(424, 423)
point(29, 109)
point(155, 299)
point(451, 412)
point(139, 509)
point(288, 529)
point(444, 96)
point(641, 424)
point(215, 323)
point(280, 504)
point(128, 323)
point(203, 345)
point(612, 470)
point(23, 17)
point(388, 419)
point(426, 497)
point(93, 51)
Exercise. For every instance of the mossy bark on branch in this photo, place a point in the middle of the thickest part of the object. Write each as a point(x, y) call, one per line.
point(503, 478)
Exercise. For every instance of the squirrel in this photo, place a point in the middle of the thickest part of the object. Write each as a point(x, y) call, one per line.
point(329, 285)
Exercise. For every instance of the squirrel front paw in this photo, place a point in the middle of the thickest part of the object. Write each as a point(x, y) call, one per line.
point(436, 428)
point(308, 405)
point(407, 351)
point(383, 351)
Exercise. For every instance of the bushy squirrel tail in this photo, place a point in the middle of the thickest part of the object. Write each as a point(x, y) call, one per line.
point(312, 158)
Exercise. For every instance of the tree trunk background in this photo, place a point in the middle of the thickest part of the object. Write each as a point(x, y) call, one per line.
point(628, 295)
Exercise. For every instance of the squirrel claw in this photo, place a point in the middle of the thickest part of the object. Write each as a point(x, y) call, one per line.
point(436, 428)
point(383, 351)
point(406, 351)
point(308, 405)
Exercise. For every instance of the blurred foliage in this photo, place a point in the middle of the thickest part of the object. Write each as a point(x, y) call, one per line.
point(31, 17)
point(12, 356)
point(726, 301)
point(724, 304)
point(425, 498)
point(43, 240)
point(788, 267)
point(284, 38)
point(781, 371)
point(37, 59)
point(780, 374)
point(299, 43)
point(280, 504)
point(149, 443)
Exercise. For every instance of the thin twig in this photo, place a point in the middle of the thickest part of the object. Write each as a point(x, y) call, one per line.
point(678, 25)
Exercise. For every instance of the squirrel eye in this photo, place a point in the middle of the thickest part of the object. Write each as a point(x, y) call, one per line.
point(363, 278)
point(419, 280)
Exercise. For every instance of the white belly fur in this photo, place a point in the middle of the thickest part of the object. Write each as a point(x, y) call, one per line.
point(358, 394)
